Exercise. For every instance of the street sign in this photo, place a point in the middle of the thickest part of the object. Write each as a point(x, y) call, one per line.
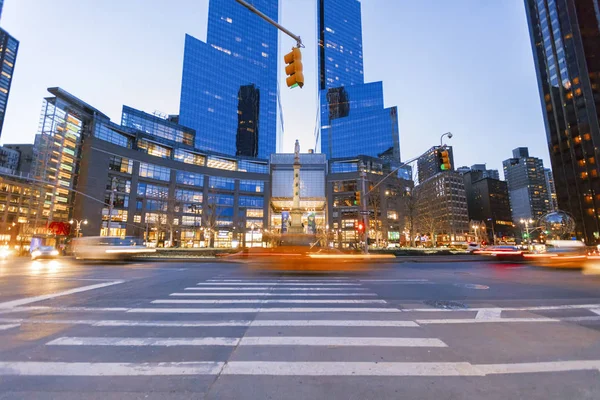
point(364, 213)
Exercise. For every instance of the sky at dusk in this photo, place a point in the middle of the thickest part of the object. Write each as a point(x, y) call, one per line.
point(463, 66)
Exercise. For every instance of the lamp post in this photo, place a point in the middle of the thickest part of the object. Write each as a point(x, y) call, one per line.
point(252, 235)
point(475, 227)
point(449, 134)
point(527, 222)
point(78, 223)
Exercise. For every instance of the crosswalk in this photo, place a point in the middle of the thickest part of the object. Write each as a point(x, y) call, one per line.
point(238, 326)
point(227, 314)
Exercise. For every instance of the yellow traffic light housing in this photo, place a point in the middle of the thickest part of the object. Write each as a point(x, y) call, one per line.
point(357, 198)
point(444, 160)
point(294, 68)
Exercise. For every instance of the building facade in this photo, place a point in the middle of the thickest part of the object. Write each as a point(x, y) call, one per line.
point(553, 200)
point(428, 164)
point(526, 181)
point(387, 203)
point(143, 178)
point(9, 159)
point(353, 119)
point(9, 46)
point(25, 151)
point(565, 38)
point(489, 204)
point(486, 173)
point(229, 84)
point(441, 209)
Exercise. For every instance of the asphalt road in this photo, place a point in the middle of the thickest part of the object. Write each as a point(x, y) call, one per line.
point(471, 330)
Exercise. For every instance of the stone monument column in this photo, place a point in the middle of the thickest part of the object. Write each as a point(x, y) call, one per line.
point(296, 213)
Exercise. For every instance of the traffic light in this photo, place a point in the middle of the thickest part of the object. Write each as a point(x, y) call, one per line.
point(444, 160)
point(294, 68)
point(357, 198)
point(361, 227)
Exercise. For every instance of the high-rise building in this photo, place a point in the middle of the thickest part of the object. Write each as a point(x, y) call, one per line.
point(441, 207)
point(488, 202)
point(551, 189)
point(565, 37)
point(428, 164)
point(1, 5)
point(9, 47)
point(9, 160)
point(25, 151)
point(229, 85)
point(353, 117)
point(486, 173)
point(526, 185)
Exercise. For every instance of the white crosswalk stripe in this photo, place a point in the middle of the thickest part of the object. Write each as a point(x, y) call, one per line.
point(259, 301)
point(274, 284)
point(276, 289)
point(211, 294)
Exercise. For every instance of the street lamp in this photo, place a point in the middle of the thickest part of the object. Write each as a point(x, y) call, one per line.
point(449, 134)
point(78, 223)
point(527, 222)
point(252, 235)
point(475, 227)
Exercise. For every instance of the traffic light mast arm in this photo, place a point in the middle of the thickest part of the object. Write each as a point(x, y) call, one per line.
point(269, 20)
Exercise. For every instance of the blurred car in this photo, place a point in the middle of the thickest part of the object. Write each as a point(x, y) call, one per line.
point(473, 247)
point(44, 252)
point(512, 253)
point(5, 253)
point(561, 254)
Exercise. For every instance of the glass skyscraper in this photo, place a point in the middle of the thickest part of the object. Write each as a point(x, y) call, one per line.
point(565, 37)
point(229, 84)
point(8, 55)
point(353, 118)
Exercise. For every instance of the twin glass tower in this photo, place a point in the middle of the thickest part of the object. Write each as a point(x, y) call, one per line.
point(229, 91)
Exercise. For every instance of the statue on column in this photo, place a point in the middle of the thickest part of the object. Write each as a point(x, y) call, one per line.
point(297, 152)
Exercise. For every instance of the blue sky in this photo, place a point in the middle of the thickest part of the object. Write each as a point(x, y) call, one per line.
point(463, 66)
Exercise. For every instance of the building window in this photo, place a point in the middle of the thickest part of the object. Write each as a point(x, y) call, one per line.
point(103, 132)
point(187, 178)
point(153, 149)
point(392, 215)
point(119, 184)
point(189, 196)
point(252, 186)
point(155, 172)
point(254, 213)
point(250, 166)
point(120, 164)
point(251, 201)
point(216, 182)
point(221, 163)
point(189, 157)
point(152, 191)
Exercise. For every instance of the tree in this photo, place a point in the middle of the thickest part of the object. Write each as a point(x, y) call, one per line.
point(410, 212)
point(374, 204)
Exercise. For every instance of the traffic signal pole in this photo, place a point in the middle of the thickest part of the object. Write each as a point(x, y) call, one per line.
point(270, 21)
point(363, 205)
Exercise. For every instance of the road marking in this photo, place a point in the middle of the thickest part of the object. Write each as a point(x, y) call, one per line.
point(28, 300)
point(271, 288)
point(472, 286)
point(10, 326)
point(478, 321)
point(524, 368)
point(258, 310)
point(123, 341)
point(532, 308)
point(271, 368)
point(230, 323)
point(394, 280)
point(276, 281)
point(269, 294)
point(580, 319)
point(492, 313)
point(329, 368)
point(274, 284)
point(27, 368)
point(340, 341)
point(595, 311)
point(63, 309)
point(250, 341)
point(262, 301)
